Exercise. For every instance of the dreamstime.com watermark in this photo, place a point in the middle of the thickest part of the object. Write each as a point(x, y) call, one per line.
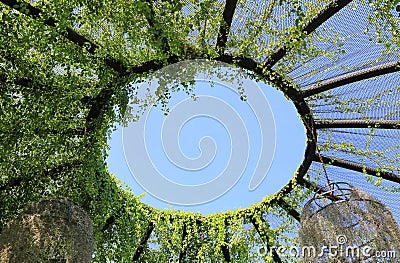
point(329, 251)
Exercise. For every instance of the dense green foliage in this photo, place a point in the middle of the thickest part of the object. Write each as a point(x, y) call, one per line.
point(60, 100)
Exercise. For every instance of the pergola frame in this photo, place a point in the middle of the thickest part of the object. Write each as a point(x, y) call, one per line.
point(358, 75)
point(354, 123)
point(264, 70)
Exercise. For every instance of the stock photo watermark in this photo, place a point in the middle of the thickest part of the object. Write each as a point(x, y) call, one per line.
point(330, 251)
point(141, 151)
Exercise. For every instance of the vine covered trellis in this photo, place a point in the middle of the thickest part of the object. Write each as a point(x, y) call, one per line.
point(66, 74)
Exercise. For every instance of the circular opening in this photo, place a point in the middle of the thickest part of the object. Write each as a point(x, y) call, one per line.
point(233, 143)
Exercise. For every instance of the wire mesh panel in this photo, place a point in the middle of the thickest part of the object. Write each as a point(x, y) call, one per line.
point(342, 223)
point(67, 72)
point(51, 230)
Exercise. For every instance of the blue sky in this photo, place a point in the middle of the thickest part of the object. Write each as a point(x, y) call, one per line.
point(200, 141)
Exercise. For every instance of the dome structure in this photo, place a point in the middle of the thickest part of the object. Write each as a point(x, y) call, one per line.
point(351, 226)
point(66, 74)
point(51, 230)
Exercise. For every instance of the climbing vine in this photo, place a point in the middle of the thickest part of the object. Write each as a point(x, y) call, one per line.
point(67, 72)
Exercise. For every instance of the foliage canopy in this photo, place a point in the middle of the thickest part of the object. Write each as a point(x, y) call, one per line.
point(66, 74)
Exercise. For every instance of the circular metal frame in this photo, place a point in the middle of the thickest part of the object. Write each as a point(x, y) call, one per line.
point(265, 72)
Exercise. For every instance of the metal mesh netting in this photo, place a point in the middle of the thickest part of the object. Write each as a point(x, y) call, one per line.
point(349, 47)
point(345, 71)
point(346, 224)
point(382, 90)
point(384, 193)
point(50, 230)
point(348, 144)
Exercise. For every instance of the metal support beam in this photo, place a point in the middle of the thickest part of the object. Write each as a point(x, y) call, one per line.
point(262, 233)
point(69, 33)
point(101, 103)
point(351, 123)
point(156, 28)
point(183, 249)
point(229, 10)
point(24, 82)
point(331, 9)
point(224, 247)
point(98, 108)
point(52, 173)
point(291, 91)
point(225, 252)
point(319, 189)
point(290, 210)
point(359, 168)
point(143, 242)
point(348, 78)
point(267, 74)
point(80, 40)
